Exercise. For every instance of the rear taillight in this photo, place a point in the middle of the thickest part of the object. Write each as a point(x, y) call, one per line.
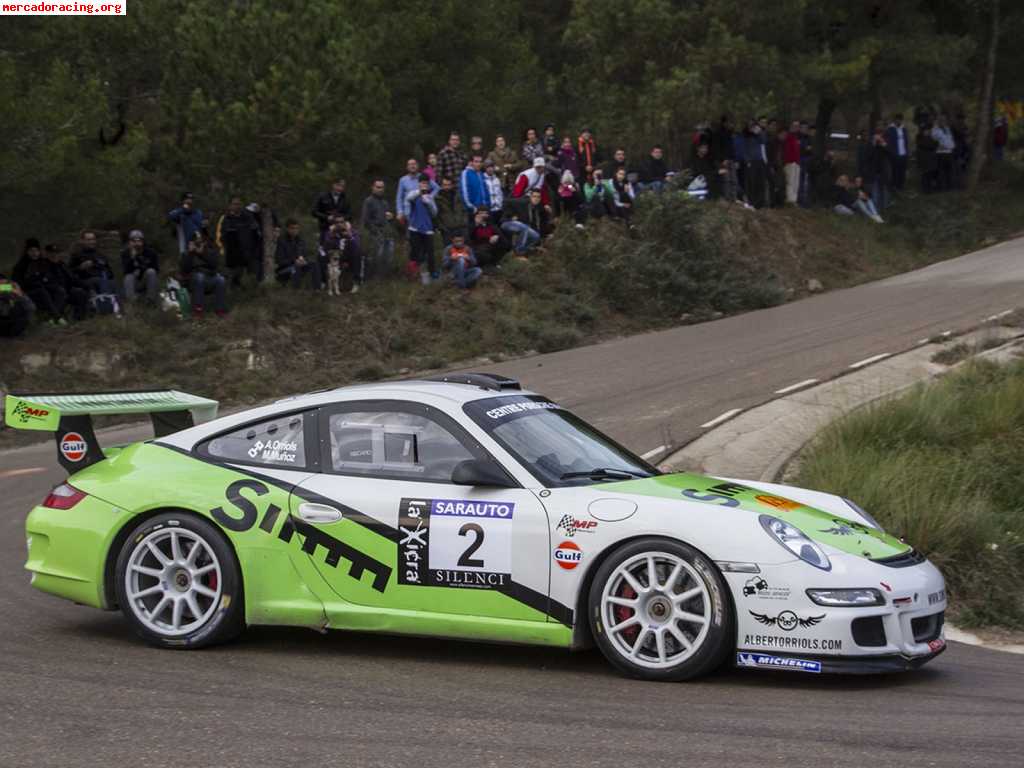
point(63, 496)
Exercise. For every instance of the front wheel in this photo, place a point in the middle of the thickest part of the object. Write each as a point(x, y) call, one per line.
point(178, 583)
point(660, 611)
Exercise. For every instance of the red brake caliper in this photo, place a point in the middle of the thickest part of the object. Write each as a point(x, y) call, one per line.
point(622, 612)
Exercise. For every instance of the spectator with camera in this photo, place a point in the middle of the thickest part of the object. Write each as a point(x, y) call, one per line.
point(422, 214)
point(140, 266)
point(187, 220)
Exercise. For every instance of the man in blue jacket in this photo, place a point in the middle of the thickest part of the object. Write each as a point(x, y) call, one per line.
point(473, 189)
point(187, 220)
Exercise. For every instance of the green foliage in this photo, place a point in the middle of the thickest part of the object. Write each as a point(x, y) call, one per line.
point(942, 466)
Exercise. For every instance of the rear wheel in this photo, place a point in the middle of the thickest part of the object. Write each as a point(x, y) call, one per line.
point(660, 611)
point(179, 584)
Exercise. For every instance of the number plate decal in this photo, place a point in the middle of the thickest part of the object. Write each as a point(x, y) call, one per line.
point(455, 543)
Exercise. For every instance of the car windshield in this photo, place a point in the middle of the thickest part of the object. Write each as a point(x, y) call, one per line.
point(557, 447)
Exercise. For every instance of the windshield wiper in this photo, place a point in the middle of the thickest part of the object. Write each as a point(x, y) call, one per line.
point(605, 473)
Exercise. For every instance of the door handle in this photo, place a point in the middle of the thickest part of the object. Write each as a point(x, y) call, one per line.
point(318, 513)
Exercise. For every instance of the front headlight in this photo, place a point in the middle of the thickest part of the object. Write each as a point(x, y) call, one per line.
point(856, 508)
point(846, 598)
point(794, 540)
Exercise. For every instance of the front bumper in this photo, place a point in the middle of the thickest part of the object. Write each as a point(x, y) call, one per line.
point(67, 549)
point(776, 618)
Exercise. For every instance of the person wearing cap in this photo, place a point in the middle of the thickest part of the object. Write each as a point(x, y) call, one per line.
point(495, 190)
point(140, 266)
point(533, 178)
point(187, 220)
point(473, 188)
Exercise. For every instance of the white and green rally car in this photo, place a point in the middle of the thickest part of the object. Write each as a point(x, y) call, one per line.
point(466, 508)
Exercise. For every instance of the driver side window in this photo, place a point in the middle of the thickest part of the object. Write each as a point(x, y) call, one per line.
point(393, 444)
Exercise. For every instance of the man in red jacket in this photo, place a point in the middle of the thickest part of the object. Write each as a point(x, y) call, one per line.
point(531, 179)
point(791, 162)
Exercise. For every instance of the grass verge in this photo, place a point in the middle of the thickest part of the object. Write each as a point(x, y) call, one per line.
point(943, 466)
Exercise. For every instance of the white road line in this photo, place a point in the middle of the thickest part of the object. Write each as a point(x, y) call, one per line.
point(719, 419)
point(946, 333)
point(869, 360)
point(1004, 313)
point(798, 385)
point(653, 452)
point(922, 341)
point(26, 471)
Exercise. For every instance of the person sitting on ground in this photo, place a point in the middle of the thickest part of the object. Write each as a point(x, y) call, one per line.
point(459, 260)
point(848, 198)
point(200, 268)
point(293, 262)
point(140, 266)
point(704, 166)
point(32, 274)
point(515, 225)
point(653, 171)
point(489, 243)
point(15, 308)
point(90, 267)
point(538, 215)
point(865, 205)
point(60, 275)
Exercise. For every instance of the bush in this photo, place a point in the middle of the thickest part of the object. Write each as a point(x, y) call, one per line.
point(943, 467)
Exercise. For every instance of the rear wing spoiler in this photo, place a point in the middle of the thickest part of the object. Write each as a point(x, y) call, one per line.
point(69, 416)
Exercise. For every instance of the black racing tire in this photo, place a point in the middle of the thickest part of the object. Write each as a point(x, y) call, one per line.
point(220, 604)
point(708, 649)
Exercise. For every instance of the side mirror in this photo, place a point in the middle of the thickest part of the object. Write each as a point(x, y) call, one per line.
point(481, 473)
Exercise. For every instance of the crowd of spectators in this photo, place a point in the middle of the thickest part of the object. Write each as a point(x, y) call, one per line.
point(483, 205)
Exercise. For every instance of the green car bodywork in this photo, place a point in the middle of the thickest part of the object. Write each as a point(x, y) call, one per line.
point(72, 553)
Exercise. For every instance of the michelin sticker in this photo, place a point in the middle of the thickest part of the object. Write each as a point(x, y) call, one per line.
point(767, 661)
point(455, 543)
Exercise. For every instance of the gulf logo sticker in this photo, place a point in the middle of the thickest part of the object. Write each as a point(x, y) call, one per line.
point(73, 446)
point(568, 555)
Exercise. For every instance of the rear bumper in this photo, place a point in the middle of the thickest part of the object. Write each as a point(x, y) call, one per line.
point(67, 549)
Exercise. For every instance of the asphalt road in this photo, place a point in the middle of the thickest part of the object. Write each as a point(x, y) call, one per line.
point(76, 689)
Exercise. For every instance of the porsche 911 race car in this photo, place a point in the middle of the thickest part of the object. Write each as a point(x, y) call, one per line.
point(463, 507)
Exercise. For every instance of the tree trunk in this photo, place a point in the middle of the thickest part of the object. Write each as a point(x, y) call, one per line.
point(983, 118)
point(269, 243)
point(823, 124)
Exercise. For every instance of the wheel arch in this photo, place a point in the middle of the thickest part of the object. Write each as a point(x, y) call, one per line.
point(114, 550)
point(583, 632)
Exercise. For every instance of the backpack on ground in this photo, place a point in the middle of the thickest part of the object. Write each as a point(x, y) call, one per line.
point(106, 304)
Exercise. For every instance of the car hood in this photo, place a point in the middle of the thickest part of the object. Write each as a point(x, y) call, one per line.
point(836, 531)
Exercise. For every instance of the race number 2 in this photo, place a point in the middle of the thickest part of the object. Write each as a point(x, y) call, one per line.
point(455, 543)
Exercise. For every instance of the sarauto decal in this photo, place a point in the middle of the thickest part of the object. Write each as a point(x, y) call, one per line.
point(312, 537)
point(776, 662)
